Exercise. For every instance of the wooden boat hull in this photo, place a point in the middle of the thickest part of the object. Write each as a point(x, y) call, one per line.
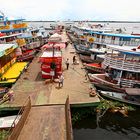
point(26, 56)
point(86, 58)
point(102, 84)
point(94, 68)
point(121, 97)
point(108, 87)
point(82, 50)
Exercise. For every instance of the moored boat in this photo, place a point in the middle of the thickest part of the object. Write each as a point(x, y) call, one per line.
point(81, 49)
point(122, 69)
point(94, 68)
point(26, 56)
point(100, 82)
point(130, 96)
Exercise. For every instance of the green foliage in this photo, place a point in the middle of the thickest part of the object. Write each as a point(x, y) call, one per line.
point(106, 104)
point(3, 134)
point(80, 113)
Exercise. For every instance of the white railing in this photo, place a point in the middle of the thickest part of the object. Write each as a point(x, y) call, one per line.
point(117, 63)
point(117, 42)
point(129, 82)
point(33, 45)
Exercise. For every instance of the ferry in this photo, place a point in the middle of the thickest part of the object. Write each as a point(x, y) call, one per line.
point(101, 37)
point(122, 68)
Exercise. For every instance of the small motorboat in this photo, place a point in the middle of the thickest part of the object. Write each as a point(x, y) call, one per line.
point(130, 96)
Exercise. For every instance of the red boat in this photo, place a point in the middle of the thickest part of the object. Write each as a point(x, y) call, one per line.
point(94, 68)
point(26, 56)
point(101, 83)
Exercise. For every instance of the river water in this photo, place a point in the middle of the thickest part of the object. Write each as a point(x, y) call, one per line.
point(110, 127)
point(128, 27)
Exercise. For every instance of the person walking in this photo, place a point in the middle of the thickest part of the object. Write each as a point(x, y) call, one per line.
point(61, 81)
point(67, 63)
point(74, 59)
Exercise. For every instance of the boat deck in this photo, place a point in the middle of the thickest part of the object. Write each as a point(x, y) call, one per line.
point(45, 123)
point(31, 84)
point(13, 72)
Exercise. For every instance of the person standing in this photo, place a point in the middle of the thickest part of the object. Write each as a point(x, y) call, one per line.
point(67, 63)
point(61, 81)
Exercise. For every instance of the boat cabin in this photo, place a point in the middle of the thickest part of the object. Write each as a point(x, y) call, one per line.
point(123, 67)
point(7, 56)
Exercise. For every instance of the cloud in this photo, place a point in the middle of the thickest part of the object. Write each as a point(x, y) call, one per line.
point(72, 9)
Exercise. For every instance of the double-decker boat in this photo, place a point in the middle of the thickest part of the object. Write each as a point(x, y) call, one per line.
point(122, 68)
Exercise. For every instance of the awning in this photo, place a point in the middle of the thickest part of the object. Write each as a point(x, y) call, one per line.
point(57, 45)
point(133, 91)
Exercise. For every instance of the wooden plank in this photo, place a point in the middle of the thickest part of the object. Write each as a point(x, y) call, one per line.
point(45, 123)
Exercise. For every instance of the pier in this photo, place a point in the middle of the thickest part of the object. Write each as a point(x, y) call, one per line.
point(47, 100)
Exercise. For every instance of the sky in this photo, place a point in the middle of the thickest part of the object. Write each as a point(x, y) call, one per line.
point(95, 10)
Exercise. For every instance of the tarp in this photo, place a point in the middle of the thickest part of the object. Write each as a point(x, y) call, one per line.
point(55, 38)
point(57, 45)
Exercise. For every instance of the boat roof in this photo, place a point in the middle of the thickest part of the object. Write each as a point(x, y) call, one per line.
point(133, 91)
point(50, 54)
point(122, 35)
point(132, 50)
point(4, 47)
point(117, 35)
point(12, 30)
point(25, 35)
point(11, 19)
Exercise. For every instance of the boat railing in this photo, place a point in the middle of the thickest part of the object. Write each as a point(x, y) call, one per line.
point(119, 63)
point(117, 42)
point(24, 111)
point(128, 82)
point(33, 44)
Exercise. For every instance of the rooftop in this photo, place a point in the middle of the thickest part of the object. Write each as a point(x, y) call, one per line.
point(50, 54)
point(125, 49)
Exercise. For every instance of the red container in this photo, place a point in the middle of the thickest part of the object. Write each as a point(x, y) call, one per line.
point(47, 58)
